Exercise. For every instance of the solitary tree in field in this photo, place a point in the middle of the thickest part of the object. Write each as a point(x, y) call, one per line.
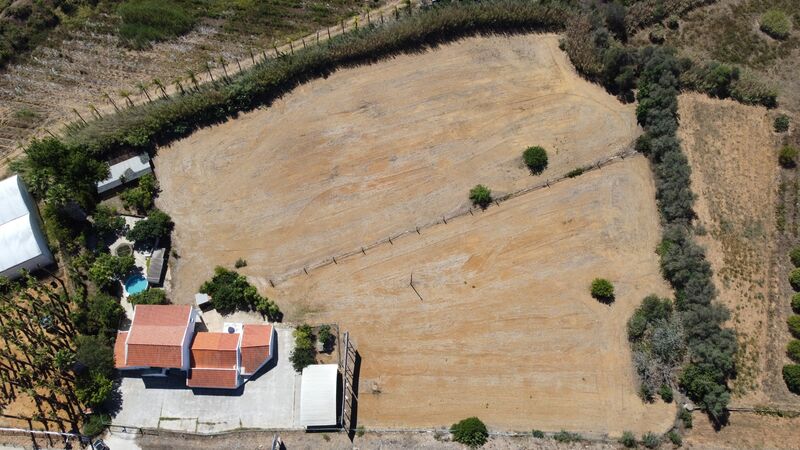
point(143, 89)
point(535, 158)
point(602, 290)
point(470, 432)
point(480, 195)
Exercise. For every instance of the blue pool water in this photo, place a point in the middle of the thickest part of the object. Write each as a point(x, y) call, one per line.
point(135, 284)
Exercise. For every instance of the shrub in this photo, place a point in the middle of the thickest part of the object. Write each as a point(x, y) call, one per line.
point(103, 314)
point(140, 198)
point(480, 195)
point(651, 440)
point(793, 350)
point(787, 157)
point(791, 376)
point(781, 123)
point(470, 432)
point(602, 290)
point(628, 440)
point(535, 158)
point(240, 263)
point(230, 291)
point(665, 392)
point(93, 388)
point(539, 434)
point(685, 416)
point(794, 255)
point(794, 325)
point(796, 303)
point(106, 222)
point(575, 172)
point(794, 279)
point(304, 353)
point(158, 225)
point(107, 269)
point(566, 436)
point(325, 337)
point(147, 21)
point(95, 353)
point(95, 424)
point(675, 438)
point(775, 24)
point(149, 297)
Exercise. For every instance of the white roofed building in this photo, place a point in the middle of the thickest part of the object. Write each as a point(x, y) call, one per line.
point(318, 396)
point(124, 171)
point(22, 243)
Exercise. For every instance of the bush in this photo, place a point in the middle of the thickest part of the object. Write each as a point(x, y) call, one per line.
point(480, 195)
point(158, 225)
point(775, 24)
point(791, 376)
point(325, 337)
point(147, 21)
point(539, 434)
point(107, 269)
point(535, 158)
point(140, 198)
point(665, 392)
point(106, 222)
point(304, 353)
point(628, 440)
point(781, 123)
point(149, 297)
point(794, 279)
point(95, 354)
point(575, 172)
point(240, 263)
point(230, 291)
point(95, 424)
point(651, 440)
point(793, 350)
point(602, 290)
point(796, 303)
point(470, 432)
point(566, 436)
point(794, 255)
point(794, 325)
point(103, 314)
point(685, 416)
point(787, 157)
point(675, 438)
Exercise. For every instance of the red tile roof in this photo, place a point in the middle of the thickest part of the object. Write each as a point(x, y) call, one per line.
point(213, 378)
point(214, 350)
point(119, 349)
point(165, 356)
point(156, 336)
point(256, 346)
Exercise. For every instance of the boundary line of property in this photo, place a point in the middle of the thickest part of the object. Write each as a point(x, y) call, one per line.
point(619, 156)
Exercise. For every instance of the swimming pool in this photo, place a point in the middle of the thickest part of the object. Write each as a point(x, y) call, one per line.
point(135, 284)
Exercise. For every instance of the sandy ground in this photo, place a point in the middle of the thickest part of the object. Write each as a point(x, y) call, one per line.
point(733, 153)
point(506, 328)
point(746, 431)
point(375, 150)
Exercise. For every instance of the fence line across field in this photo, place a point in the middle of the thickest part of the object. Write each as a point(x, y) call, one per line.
point(626, 152)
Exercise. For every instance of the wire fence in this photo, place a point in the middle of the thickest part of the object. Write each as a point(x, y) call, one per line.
point(444, 219)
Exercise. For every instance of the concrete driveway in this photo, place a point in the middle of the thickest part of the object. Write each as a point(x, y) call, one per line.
point(271, 399)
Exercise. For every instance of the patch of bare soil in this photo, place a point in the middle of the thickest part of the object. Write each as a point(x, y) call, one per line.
point(376, 150)
point(746, 431)
point(733, 154)
point(504, 327)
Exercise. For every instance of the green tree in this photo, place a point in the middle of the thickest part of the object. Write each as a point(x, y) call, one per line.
point(794, 279)
point(704, 387)
point(794, 255)
point(94, 388)
point(106, 222)
point(787, 156)
point(304, 353)
point(535, 158)
point(794, 325)
point(480, 195)
point(791, 376)
point(665, 392)
point(95, 353)
point(781, 123)
point(325, 337)
point(796, 303)
point(628, 440)
point(231, 291)
point(793, 350)
point(158, 225)
point(470, 432)
point(602, 290)
point(140, 197)
point(104, 314)
point(149, 297)
point(108, 268)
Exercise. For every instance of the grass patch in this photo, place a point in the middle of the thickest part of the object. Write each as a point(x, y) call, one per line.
point(148, 21)
point(775, 24)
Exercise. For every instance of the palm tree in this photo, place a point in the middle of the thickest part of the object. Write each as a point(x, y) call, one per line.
point(193, 78)
point(178, 85)
point(95, 111)
point(224, 68)
point(111, 100)
point(79, 115)
point(143, 89)
point(208, 69)
point(126, 94)
point(160, 85)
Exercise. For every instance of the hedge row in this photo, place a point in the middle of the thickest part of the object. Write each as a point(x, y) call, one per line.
point(711, 348)
point(163, 120)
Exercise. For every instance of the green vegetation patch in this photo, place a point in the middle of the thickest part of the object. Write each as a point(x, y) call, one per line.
point(148, 21)
point(470, 432)
point(775, 23)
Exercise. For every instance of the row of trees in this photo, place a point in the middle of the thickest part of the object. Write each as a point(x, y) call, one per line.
point(791, 372)
point(230, 291)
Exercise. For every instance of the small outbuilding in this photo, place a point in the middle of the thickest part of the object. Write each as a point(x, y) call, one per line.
point(121, 172)
point(318, 396)
point(22, 243)
point(155, 271)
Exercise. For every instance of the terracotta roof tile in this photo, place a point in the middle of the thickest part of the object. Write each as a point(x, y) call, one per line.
point(256, 346)
point(214, 350)
point(256, 335)
point(165, 356)
point(159, 324)
point(119, 349)
point(212, 378)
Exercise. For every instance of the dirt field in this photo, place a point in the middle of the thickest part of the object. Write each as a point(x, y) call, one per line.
point(732, 150)
point(375, 150)
point(506, 328)
point(746, 431)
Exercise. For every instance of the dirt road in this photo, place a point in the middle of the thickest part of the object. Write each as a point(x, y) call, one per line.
point(374, 150)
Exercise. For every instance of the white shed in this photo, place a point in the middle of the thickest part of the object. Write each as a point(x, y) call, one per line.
point(124, 171)
point(22, 243)
point(318, 391)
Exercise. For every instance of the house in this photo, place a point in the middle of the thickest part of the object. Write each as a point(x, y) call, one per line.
point(121, 172)
point(164, 337)
point(22, 243)
point(319, 396)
